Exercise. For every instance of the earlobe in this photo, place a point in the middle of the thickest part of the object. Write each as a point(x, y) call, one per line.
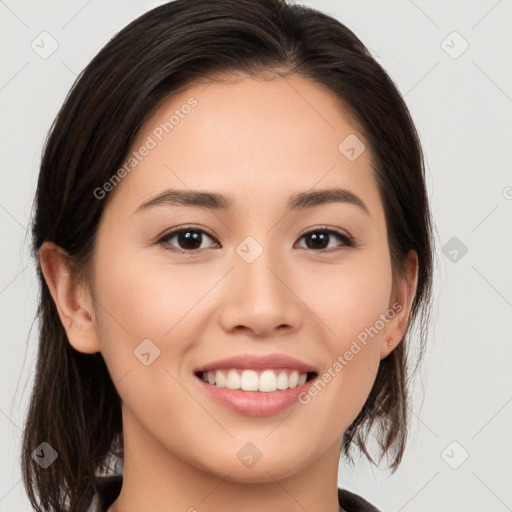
point(73, 304)
point(402, 299)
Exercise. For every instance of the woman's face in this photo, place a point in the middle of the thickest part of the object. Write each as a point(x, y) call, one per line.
point(247, 278)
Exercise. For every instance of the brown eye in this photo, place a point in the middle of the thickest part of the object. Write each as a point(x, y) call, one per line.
point(319, 240)
point(190, 239)
point(186, 240)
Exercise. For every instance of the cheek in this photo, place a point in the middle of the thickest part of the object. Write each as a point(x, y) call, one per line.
point(149, 299)
point(148, 296)
point(352, 298)
point(353, 303)
point(137, 302)
point(147, 322)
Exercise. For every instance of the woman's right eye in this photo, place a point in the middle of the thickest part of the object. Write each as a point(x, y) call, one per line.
point(188, 239)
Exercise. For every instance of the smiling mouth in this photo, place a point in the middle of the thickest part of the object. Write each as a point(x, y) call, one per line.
point(266, 381)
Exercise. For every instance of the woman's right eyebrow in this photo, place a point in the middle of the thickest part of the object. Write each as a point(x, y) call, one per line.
point(217, 201)
point(179, 197)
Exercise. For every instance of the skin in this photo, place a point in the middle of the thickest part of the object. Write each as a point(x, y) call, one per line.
point(258, 142)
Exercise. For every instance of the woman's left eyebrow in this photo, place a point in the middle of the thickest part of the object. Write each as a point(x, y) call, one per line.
point(216, 201)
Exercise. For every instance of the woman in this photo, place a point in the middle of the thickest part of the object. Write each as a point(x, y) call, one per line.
point(233, 239)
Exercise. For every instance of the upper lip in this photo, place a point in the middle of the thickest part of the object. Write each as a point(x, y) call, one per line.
point(257, 362)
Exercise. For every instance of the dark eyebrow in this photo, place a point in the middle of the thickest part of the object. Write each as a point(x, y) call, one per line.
point(215, 201)
point(208, 200)
point(331, 195)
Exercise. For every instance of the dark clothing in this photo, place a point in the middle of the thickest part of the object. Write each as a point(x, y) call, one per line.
point(109, 488)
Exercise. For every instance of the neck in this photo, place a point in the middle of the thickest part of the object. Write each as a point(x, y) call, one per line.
point(157, 480)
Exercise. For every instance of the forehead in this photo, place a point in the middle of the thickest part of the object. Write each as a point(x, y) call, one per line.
point(247, 138)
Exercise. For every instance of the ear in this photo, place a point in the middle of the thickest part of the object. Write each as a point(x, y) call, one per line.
point(73, 303)
point(404, 291)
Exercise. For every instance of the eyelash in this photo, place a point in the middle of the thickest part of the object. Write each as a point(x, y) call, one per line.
point(347, 241)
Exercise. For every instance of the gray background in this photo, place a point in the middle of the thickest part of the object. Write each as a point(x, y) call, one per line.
point(459, 453)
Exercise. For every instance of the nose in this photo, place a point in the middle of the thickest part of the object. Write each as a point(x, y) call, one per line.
point(260, 298)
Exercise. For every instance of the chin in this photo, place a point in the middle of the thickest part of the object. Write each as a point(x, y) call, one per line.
point(246, 463)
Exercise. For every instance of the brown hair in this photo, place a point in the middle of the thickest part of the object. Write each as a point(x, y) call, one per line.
point(74, 404)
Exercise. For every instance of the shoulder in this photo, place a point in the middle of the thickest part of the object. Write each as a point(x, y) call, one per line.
point(354, 503)
point(108, 489)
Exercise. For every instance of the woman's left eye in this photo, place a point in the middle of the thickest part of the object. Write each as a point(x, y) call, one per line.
point(191, 239)
point(319, 236)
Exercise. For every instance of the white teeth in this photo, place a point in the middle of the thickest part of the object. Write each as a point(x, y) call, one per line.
point(293, 379)
point(233, 380)
point(220, 379)
point(248, 380)
point(282, 381)
point(268, 381)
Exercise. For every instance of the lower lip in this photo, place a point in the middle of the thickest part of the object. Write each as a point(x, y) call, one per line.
point(255, 403)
